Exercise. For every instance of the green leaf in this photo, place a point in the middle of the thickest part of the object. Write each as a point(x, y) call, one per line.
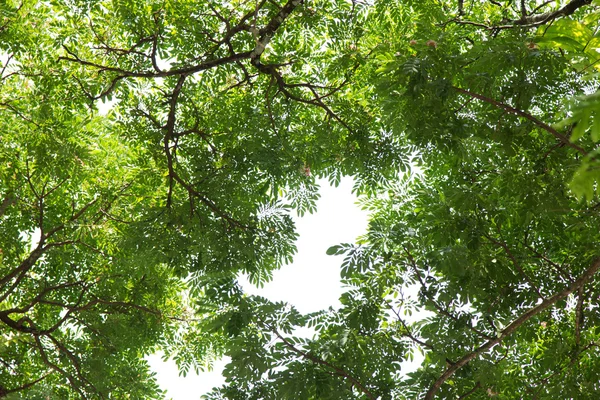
point(334, 250)
point(596, 127)
point(567, 30)
point(581, 125)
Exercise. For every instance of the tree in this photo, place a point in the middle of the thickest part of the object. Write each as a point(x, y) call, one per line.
point(153, 151)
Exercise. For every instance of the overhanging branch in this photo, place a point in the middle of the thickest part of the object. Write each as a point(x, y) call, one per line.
point(541, 19)
point(510, 329)
point(528, 20)
point(264, 35)
point(520, 113)
point(317, 360)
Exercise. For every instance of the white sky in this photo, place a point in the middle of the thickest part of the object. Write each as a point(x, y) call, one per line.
point(337, 220)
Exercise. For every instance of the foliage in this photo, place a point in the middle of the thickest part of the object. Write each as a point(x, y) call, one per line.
point(151, 152)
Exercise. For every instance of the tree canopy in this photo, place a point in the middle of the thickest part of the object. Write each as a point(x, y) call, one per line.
point(153, 151)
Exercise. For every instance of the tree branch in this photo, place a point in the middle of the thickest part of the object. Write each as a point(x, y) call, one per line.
point(170, 128)
point(541, 19)
point(319, 361)
point(22, 269)
point(264, 35)
point(408, 333)
point(121, 73)
point(528, 20)
point(545, 304)
point(8, 200)
point(173, 175)
point(6, 392)
point(437, 306)
point(560, 271)
point(579, 318)
point(515, 263)
point(55, 367)
point(470, 392)
point(525, 115)
point(75, 362)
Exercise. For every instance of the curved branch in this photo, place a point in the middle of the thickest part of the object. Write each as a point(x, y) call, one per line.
point(8, 200)
point(530, 20)
point(514, 261)
point(541, 19)
point(173, 175)
point(264, 35)
point(121, 73)
point(438, 306)
point(319, 361)
point(545, 304)
point(6, 392)
point(470, 392)
point(579, 318)
point(170, 128)
point(525, 115)
point(72, 381)
point(408, 333)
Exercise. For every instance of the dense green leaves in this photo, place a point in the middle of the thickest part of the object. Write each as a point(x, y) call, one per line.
point(152, 152)
point(113, 223)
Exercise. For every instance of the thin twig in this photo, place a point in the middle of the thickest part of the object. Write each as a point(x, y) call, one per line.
point(517, 265)
point(317, 360)
point(437, 306)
